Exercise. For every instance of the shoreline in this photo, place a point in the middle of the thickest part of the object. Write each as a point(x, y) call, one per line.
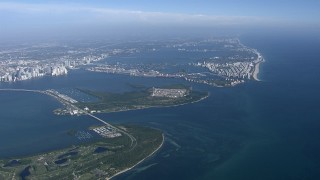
point(127, 169)
point(257, 70)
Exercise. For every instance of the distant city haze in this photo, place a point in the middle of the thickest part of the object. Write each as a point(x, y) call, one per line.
point(36, 20)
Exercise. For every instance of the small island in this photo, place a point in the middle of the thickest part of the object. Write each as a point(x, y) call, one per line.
point(112, 154)
point(168, 96)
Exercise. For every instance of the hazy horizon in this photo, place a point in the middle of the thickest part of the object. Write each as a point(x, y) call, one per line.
point(34, 20)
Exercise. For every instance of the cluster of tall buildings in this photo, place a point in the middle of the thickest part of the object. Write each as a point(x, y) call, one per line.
point(23, 73)
point(18, 64)
point(19, 70)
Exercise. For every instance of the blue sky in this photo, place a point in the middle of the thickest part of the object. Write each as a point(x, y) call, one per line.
point(284, 9)
point(37, 15)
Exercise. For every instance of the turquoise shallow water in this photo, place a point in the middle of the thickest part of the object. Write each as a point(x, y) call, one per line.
point(259, 130)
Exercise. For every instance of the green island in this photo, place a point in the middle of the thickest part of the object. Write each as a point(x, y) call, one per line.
point(173, 95)
point(118, 149)
point(101, 159)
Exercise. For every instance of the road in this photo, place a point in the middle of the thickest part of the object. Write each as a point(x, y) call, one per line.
point(23, 90)
point(133, 139)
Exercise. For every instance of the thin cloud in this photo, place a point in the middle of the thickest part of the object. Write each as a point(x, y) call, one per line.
point(119, 15)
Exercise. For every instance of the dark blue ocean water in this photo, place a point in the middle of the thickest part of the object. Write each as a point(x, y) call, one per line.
point(28, 125)
point(259, 130)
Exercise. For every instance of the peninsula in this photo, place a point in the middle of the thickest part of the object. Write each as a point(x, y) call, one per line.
point(217, 62)
point(105, 158)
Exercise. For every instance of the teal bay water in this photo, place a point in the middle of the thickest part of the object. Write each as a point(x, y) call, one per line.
point(259, 130)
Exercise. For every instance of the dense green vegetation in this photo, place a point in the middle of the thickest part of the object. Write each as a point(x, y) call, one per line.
point(84, 161)
point(113, 102)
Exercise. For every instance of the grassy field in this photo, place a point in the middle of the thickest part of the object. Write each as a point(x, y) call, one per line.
point(100, 159)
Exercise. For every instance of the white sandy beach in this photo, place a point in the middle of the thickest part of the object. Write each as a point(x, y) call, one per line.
point(256, 71)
